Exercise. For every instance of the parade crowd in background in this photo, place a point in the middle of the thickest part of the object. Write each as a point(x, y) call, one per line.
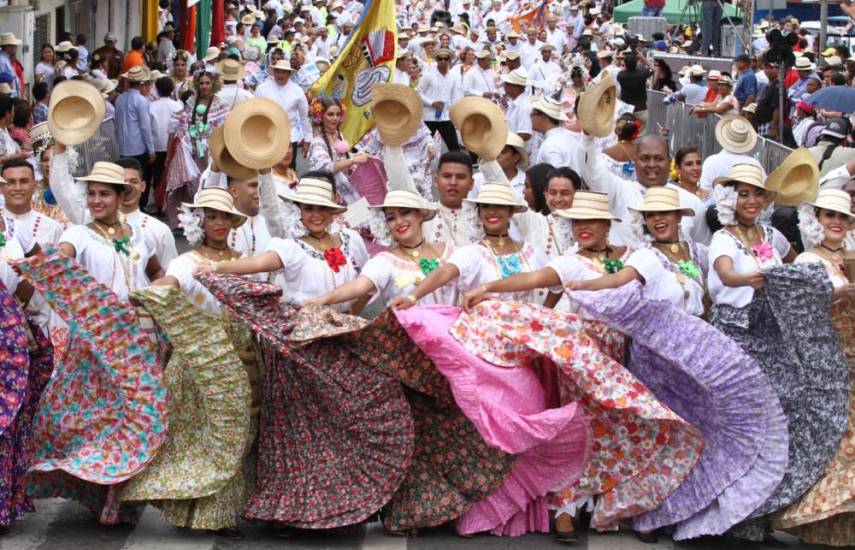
point(439, 270)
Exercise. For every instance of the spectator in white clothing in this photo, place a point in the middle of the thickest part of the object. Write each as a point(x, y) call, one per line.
point(519, 107)
point(292, 99)
point(440, 88)
point(544, 75)
point(165, 113)
point(559, 145)
point(402, 68)
point(737, 139)
point(694, 92)
point(480, 79)
point(230, 93)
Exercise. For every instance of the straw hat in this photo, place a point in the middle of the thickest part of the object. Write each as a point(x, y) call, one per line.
point(517, 143)
point(397, 111)
point(804, 64)
point(211, 53)
point(63, 46)
point(76, 111)
point(257, 133)
point(282, 65)
point(499, 194)
point(482, 125)
point(588, 205)
point(106, 172)
point(547, 47)
point(735, 134)
point(9, 39)
point(750, 108)
point(137, 74)
point(602, 54)
point(743, 173)
point(549, 107)
point(518, 77)
point(696, 70)
point(40, 132)
point(483, 54)
point(5, 89)
point(714, 75)
point(247, 19)
point(835, 200)
point(443, 51)
point(596, 111)
point(223, 158)
point(231, 69)
point(459, 28)
point(796, 180)
point(219, 200)
point(661, 199)
point(407, 199)
point(512, 54)
point(316, 191)
point(833, 61)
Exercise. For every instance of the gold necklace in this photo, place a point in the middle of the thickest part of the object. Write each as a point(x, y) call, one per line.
point(500, 242)
point(675, 247)
point(322, 246)
point(220, 252)
point(412, 250)
point(109, 226)
point(833, 257)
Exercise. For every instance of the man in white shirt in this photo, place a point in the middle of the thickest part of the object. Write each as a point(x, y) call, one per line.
point(18, 185)
point(321, 45)
point(156, 234)
point(453, 182)
point(439, 88)
point(165, 113)
point(402, 67)
point(250, 238)
point(737, 139)
point(512, 160)
point(530, 49)
point(560, 145)
point(499, 16)
point(556, 36)
point(230, 93)
point(545, 73)
point(292, 99)
point(606, 58)
point(653, 167)
point(458, 37)
point(519, 106)
point(695, 91)
point(481, 80)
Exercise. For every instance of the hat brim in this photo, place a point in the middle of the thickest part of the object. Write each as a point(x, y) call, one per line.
point(482, 125)
point(516, 207)
point(95, 179)
point(596, 112)
point(260, 146)
point(336, 208)
point(238, 218)
point(571, 215)
point(223, 158)
point(726, 180)
point(733, 147)
point(848, 214)
point(795, 180)
point(427, 213)
point(682, 211)
point(76, 111)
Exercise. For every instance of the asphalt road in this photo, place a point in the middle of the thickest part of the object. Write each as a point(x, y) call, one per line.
point(65, 525)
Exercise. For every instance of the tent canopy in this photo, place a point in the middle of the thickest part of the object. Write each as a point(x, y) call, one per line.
point(673, 9)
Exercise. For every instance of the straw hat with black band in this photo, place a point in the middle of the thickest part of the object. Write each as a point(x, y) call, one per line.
point(735, 134)
point(407, 199)
point(834, 200)
point(482, 126)
point(231, 70)
point(596, 111)
point(748, 174)
point(105, 172)
point(548, 107)
point(219, 200)
point(796, 180)
point(588, 205)
point(257, 133)
point(316, 192)
point(498, 194)
point(397, 112)
point(518, 144)
point(661, 199)
point(75, 112)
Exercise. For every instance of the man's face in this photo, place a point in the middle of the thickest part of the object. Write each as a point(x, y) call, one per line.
point(11, 50)
point(245, 194)
point(18, 189)
point(513, 91)
point(546, 55)
point(484, 62)
point(134, 179)
point(403, 64)
point(281, 77)
point(812, 85)
point(491, 34)
point(514, 63)
point(654, 164)
point(453, 181)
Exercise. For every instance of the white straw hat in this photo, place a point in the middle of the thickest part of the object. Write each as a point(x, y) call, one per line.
point(63, 46)
point(517, 143)
point(219, 200)
point(518, 76)
point(662, 199)
point(211, 53)
point(588, 205)
point(137, 74)
point(106, 172)
point(835, 200)
point(549, 107)
point(735, 134)
point(407, 199)
point(743, 173)
point(231, 69)
point(499, 194)
point(9, 39)
point(317, 192)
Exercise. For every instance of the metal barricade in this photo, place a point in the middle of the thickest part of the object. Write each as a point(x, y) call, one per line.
point(686, 129)
point(101, 146)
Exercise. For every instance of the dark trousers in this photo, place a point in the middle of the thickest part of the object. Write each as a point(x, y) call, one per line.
point(446, 131)
point(157, 170)
point(711, 15)
point(295, 150)
point(146, 176)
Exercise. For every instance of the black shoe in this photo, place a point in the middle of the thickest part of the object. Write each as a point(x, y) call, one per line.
point(648, 538)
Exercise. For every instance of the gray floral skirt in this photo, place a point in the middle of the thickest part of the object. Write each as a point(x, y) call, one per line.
point(787, 329)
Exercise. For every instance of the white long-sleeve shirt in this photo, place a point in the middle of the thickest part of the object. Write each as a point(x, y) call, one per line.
point(623, 194)
point(530, 53)
point(477, 82)
point(519, 115)
point(434, 86)
point(559, 148)
point(291, 98)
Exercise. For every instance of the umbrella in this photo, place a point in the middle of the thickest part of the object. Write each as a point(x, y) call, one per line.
point(840, 99)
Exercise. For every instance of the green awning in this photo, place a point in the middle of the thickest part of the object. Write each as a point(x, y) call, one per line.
point(672, 12)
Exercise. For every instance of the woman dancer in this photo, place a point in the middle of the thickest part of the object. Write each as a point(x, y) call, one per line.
point(329, 151)
point(396, 272)
point(747, 256)
point(687, 171)
point(199, 477)
point(824, 514)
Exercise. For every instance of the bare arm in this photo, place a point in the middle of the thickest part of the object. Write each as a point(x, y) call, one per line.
point(446, 273)
point(67, 250)
point(351, 290)
point(790, 257)
point(167, 280)
point(552, 299)
point(153, 269)
point(521, 282)
point(723, 265)
point(612, 280)
point(262, 263)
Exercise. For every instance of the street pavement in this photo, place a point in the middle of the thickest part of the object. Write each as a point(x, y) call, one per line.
point(65, 525)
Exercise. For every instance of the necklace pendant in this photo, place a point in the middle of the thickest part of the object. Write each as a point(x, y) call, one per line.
point(501, 242)
point(675, 248)
point(415, 253)
point(111, 231)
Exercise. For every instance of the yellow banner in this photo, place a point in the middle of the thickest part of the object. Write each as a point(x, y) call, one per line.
point(368, 58)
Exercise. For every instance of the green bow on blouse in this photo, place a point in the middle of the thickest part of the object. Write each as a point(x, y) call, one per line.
point(612, 266)
point(428, 265)
point(121, 245)
point(689, 269)
point(2, 239)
